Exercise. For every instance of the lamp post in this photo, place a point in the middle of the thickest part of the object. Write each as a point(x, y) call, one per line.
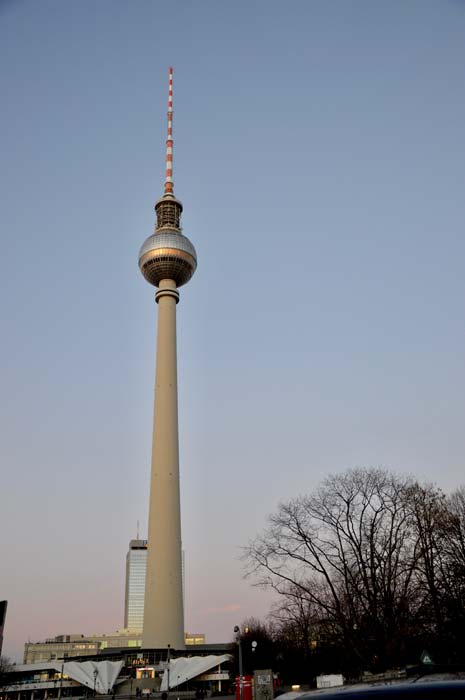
point(254, 647)
point(95, 680)
point(168, 667)
point(60, 691)
point(237, 632)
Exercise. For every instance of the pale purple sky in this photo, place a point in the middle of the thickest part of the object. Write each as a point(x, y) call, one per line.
point(319, 155)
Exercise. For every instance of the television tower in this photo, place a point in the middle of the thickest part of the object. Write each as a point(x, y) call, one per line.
point(167, 260)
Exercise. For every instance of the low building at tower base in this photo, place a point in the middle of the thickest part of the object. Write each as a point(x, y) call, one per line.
point(135, 673)
point(67, 646)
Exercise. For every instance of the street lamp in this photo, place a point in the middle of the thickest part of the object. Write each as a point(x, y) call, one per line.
point(60, 691)
point(95, 680)
point(237, 632)
point(168, 667)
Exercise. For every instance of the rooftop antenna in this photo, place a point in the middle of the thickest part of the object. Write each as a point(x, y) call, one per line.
point(169, 140)
point(137, 530)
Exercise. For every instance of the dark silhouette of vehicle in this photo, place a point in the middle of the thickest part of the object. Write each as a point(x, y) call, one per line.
point(434, 690)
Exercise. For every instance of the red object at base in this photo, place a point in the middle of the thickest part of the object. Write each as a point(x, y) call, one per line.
point(247, 684)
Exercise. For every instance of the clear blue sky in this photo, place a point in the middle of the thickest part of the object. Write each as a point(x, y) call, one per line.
point(319, 155)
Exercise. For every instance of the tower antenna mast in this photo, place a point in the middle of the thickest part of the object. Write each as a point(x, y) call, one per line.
point(169, 139)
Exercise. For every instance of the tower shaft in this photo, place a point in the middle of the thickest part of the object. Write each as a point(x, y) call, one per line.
point(163, 607)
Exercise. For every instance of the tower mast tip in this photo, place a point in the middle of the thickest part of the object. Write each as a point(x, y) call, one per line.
point(169, 139)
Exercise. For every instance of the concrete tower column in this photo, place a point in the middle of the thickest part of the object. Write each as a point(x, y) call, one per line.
point(163, 607)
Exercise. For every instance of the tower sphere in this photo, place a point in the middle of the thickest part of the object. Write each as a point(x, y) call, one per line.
point(167, 255)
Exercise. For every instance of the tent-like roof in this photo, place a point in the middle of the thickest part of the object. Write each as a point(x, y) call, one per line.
point(99, 674)
point(186, 668)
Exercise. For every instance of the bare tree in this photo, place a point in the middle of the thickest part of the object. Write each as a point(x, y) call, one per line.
point(453, 579)
point(350, 550)
point(5, 666)
point(440, 532)
point(454, 544)
point(296, 618)
point(430, 518)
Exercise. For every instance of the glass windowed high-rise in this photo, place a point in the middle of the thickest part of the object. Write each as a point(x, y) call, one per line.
point(3, 607)
point(136, 565)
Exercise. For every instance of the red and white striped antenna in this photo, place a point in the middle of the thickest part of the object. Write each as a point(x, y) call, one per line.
point(169, 140)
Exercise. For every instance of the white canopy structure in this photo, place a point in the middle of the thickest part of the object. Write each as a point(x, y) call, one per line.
point(100, 675)
point(186, 668)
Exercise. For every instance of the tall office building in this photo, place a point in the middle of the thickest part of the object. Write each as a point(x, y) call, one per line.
point(167, 260)
point(136, 565)
point(3, 607)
